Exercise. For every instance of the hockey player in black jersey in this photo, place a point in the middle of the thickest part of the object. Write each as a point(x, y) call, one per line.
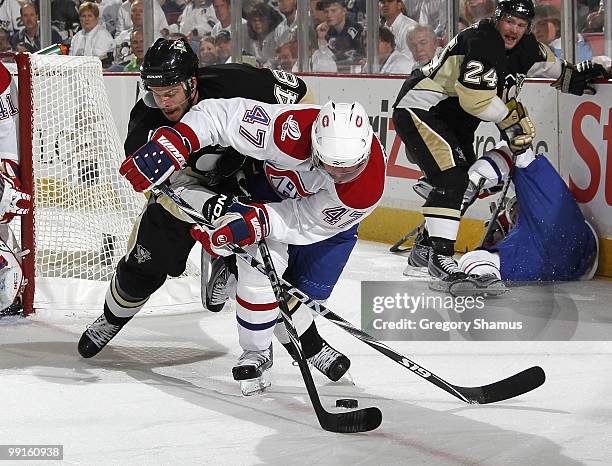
point(476, 78)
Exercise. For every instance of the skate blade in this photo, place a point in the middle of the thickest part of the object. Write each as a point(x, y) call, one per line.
point(438, 285)
point(415, 272)
point(346, 379)
point(254, 386)
point(469, 288)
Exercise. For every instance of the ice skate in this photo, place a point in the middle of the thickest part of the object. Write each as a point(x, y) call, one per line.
point(446, 273)
point(250, 371)
point(97, 336)
point(330, 362)
point(420, 251)
point(482, 285)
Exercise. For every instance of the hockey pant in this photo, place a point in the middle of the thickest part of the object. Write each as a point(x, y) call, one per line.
point(314, 269)
point(158, 247)
point(443, 153)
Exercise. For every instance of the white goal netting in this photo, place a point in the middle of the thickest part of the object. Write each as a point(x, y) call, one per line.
point(83, 209)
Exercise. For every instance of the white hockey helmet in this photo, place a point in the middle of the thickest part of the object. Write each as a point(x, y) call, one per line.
point(342, 140)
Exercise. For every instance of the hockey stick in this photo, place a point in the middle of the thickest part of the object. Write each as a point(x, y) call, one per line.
point(360, 420)
point(396, 247)
point(515, 385)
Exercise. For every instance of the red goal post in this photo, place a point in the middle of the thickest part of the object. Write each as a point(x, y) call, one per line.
point(83, 210)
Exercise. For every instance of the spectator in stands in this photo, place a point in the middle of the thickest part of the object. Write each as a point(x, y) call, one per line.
point(261, 22)
point(124, 18)
point(65, 17)
point(30, 34)
point(10, 19)
point(595, 20)
point(286, 31)
point(122, 50)
point(223, 46)
point(197, 16)
point(207, 53)
point(223, 11)
point(398, 23)
point(391, 60)
point(286, 57)
point(109, 14)
point(475, 10)
point(317, 12)
point(93, 39)
point(340, 34)
point(137, 53)
point(423, 44)
point(428, 13)
point(5, 41)
point(547, 30)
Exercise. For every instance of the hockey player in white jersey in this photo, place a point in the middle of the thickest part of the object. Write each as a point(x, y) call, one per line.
point(13, 201)
point(324, 172)
point(542, 234)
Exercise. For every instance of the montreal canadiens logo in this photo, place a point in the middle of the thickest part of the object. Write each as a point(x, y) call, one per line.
point(290, 128)
point(222, 239)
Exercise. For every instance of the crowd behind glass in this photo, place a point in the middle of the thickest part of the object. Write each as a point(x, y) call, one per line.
point(409, 32)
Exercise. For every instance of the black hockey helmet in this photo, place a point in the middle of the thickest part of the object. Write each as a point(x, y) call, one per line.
point(523, 9)
point(168, 62)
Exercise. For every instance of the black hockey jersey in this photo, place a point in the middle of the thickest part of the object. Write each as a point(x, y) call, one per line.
point(214, 82)
point(465, 81)
point(219, 81)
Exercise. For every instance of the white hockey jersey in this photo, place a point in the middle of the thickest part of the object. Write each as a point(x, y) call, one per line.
point(8, 115)
point(314, 208)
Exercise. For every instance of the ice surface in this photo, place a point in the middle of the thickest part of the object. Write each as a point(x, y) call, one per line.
point(162, 392)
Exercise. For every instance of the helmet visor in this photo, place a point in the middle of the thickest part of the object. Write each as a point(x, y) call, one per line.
point(344, 174)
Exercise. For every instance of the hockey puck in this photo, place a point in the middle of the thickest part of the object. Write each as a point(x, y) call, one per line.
point(346, 403)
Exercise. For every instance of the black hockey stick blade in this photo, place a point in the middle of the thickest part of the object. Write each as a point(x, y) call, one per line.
point(515, 385)
point(361, 420)
point(396, 247)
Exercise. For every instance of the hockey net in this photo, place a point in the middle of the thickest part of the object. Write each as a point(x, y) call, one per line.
point(83, 210)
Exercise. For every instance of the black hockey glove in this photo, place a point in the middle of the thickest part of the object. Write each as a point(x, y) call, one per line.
point(576, 79)
point(516, 128)
point(217, 206)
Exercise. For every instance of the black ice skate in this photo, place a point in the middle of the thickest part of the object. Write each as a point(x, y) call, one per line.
point(420, 251)
point(330, 362)
point(447, 275)
point(482, 285)
point(216, 292)
point(97, 336)
point(250, 368)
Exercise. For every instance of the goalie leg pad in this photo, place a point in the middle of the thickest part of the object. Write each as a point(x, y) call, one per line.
point(11, 276)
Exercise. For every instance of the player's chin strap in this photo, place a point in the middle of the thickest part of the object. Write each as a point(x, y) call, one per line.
point(510, 387)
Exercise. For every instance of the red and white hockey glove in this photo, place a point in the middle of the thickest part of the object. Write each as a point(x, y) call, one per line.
point(154, 162)
point(243, 224)
point(13, 201)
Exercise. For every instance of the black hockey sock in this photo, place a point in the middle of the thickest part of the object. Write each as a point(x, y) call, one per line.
point(443, 246)
point(311, 342)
